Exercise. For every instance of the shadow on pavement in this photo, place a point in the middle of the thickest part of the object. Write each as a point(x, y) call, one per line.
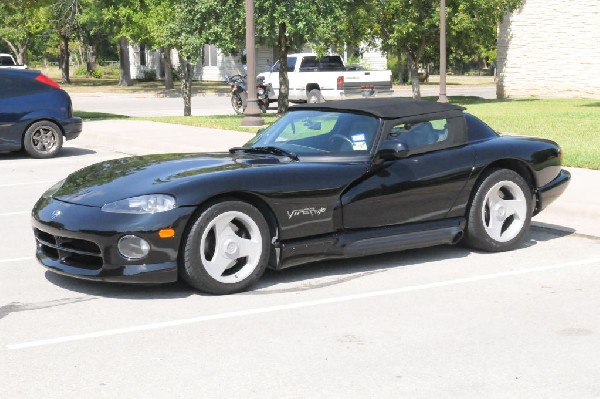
point(66, 152)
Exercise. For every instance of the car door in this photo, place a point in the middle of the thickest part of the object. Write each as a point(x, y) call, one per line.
point(420, 187)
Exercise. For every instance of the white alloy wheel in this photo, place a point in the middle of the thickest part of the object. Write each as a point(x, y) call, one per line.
point(231, 247)
point(505, 211)
point(500, 211)
point(227, 248)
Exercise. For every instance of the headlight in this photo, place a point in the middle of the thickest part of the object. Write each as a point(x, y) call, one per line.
point(152, 203)
point(53, 189)
point(260, 91)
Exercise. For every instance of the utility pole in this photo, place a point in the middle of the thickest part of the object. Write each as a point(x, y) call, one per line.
point(252, 113)
point(443, 98)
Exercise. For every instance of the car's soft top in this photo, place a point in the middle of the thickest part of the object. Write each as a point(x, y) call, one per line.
point(387, 108)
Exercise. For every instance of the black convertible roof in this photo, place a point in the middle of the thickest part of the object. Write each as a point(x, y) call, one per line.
point(387, 108)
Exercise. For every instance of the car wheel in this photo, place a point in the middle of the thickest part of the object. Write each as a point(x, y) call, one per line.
point(314, 96)
point(500, 212)
point(226, 249)
point(43, 139)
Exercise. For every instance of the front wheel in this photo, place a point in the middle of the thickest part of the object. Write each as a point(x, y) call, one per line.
point(500, 211)
point(226, 249)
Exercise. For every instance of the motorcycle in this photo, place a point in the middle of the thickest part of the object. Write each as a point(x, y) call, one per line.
point(239, 93)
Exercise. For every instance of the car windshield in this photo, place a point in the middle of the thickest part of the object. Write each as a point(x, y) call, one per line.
point(314, 133)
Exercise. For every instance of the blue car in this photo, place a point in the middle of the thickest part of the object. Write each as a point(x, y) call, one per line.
point(35, 114)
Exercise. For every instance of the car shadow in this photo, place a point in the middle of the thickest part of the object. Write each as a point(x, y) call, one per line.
point(65, 152)
point(306, 277)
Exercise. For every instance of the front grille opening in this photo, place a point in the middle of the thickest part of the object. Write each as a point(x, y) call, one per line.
point(82, 261)
point(43, 236)
point(70, 251)
point(78, 245)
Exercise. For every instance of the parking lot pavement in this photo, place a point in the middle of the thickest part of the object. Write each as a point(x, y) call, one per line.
point(442, 321)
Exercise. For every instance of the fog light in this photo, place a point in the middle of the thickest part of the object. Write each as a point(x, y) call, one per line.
point(133, 247)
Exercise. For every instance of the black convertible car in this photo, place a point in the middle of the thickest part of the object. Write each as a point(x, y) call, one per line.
point(333, 180)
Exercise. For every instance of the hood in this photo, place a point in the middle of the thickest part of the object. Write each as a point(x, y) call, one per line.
point(117, 179)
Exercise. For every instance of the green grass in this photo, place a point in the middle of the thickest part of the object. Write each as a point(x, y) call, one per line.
point(573, 123)
point(97, 116)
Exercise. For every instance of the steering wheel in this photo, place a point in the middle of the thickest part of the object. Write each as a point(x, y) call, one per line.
point(343, 139)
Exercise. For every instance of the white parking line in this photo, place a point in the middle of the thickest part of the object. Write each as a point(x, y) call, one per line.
point(16, 259)
point(14, 213)
point(292, 306)
point(29, 183)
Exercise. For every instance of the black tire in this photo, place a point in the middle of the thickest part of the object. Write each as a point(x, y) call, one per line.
point(43, 139)
point(264, 105)
point(500, 211)
point(237, 103)
point(314, 97)
point(213, 261)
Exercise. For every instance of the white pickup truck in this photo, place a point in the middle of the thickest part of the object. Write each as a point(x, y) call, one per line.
point(314, 80)
point(7, 61)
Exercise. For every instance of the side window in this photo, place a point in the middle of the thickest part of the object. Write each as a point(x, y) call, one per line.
point(291, 64)
point(421, 135)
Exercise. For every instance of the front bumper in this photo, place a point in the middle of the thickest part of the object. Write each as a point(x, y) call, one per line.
point(81, 241)
point(551, 191)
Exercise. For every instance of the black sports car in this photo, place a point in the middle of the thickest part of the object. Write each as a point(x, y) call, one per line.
point(333, 180)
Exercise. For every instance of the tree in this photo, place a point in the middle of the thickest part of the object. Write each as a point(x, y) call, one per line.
point(64, 20)
point(298, 22)
point(160, 11)
point(411, 27)
point(22, 20)
point(198, 22)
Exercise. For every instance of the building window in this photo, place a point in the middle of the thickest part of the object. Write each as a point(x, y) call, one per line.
point(209, 55)
point(142, 55)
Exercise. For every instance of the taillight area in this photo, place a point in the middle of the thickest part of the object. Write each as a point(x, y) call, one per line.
point(560, 154)
point(340, 83)
point(46, 80)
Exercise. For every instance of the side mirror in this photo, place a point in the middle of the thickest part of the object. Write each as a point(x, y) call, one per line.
point(391, 150)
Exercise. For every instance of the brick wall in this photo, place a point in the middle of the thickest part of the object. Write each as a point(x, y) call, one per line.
point(550, 48)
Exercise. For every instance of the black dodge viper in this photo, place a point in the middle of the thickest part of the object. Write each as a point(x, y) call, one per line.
point(330, 180)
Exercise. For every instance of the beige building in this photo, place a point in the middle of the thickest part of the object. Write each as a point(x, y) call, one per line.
point(550, 48)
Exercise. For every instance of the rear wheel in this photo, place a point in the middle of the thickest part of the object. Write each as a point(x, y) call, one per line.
point(43, 139)
point(226, 249)
point(500, 212)
point(314, 96)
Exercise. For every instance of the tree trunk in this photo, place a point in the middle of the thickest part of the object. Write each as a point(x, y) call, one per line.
point(283, 101)
point(64, 58)
point(124, 66)
point(414, 75)
point(186, 84)
point(21, 53)
point(90, 62)
point(168, 65)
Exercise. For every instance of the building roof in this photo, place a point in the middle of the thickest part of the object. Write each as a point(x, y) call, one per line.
point(387, 108)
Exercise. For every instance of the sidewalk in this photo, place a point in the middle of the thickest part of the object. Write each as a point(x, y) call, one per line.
point(577, 210)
